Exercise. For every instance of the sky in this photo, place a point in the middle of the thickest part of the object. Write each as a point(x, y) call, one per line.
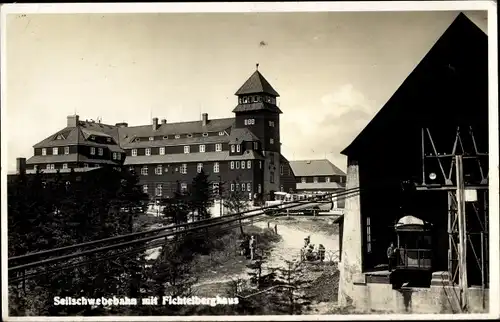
point(334, 71)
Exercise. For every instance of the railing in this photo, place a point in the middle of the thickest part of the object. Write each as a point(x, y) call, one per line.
point(418, 258)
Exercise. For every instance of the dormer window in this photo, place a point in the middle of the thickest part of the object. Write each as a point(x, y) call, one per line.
point(92, 137)
point(245, 100)
point(240, 100)
point(255, 99)
point(60, 137)
point(259, 98)
point(238, 147)
point(205, 134)
point(165, 137)
point(189, 135)
point(108, 140)
point(151, 138)
point(177, 136)
point(255, 145)
point(232, 148)
point(137, 140)
point(221, 133)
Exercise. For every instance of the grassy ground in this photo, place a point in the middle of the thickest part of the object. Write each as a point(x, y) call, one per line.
point(224, 261)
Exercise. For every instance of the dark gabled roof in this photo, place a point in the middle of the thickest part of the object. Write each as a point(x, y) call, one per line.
point(239, 135)
point(191, 157)
point(448, 86)
point(257, 107)
point(308, 168)
point(257, 84)
point(127, 134)
point(79, 135)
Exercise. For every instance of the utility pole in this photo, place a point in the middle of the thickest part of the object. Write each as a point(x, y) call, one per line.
point(462, 246)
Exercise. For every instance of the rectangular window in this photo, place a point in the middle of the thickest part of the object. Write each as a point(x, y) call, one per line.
point(271, 141)
point(66, 150)
point(55, 151)
point(232, 165)
point(249, 187)
point(237, 186)
point(259, 188)
point(186, 149)
point(184, 187)
point(65, 166)
point(303, 180)
point(271, 177)
point(100, 151)
point(249, 121)
point(162, 151)
point(52, 166)
point(271, 123)
point(327, 179)
point(255, 145)
point(218, 147)
point(237, 165)
point(243, 163)
point(232, 148)
point(238, 148)
point(118, 156)
point(177, 136)
point(114, 156)
point(282, 189)
point(202, 148)
point(130, 169)
point(159, 190)
point(85, 165)
point(260, 164)
point(184, 168)
point(92, 151)
point(216, 167)
point(145, 188)
point(159, 169)
point(134, 152)
point(221, 133)
point(48, 166)
point(368, 236)
point(249, 164)
point(148, 151)
point(243, 187)
point(232, 186)
point(282, 169)
point(151, 138)
point(315, 179)
point(199, 167)
point(144, 170)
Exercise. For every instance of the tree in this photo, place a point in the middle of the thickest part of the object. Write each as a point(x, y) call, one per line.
point(201, 196)
point(236, 201)
point(293, 298)
point(49, 211)
point(177, 208)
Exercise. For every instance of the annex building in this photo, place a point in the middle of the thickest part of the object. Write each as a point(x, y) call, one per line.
point(238, 153)
point(421, 167)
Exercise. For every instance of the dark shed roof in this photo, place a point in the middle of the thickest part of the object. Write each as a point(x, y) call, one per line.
point(448, 86)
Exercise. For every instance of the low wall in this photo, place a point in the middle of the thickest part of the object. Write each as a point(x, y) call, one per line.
point(436, 299)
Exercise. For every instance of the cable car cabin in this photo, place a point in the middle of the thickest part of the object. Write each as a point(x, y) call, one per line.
point(414, 245)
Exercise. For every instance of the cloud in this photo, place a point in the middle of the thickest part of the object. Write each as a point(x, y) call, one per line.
point(338, 119)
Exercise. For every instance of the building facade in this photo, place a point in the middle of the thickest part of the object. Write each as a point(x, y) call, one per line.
point(238, 153)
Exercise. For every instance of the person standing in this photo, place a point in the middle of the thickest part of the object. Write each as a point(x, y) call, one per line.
point(391, 254)
point(251, 245)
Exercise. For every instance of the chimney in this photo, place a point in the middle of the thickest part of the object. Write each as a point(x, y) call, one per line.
point(123, 124)
point(164, 121)
point(73, 120)
point(21, 165)
point(155, 123)
point(204, 119)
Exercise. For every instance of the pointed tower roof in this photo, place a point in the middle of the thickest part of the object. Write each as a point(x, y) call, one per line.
point(257, 84)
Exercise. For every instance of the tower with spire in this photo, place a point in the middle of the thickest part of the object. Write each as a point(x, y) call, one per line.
point(258, 112)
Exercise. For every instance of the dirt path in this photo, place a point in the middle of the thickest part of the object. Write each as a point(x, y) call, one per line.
point(288, 249)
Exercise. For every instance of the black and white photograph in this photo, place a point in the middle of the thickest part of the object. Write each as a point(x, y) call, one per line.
point(250, 161)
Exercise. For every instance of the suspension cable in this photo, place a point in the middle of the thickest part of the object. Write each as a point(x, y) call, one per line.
point(156, 230)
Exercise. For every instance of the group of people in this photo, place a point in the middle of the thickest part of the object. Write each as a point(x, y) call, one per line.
point(311, 253)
